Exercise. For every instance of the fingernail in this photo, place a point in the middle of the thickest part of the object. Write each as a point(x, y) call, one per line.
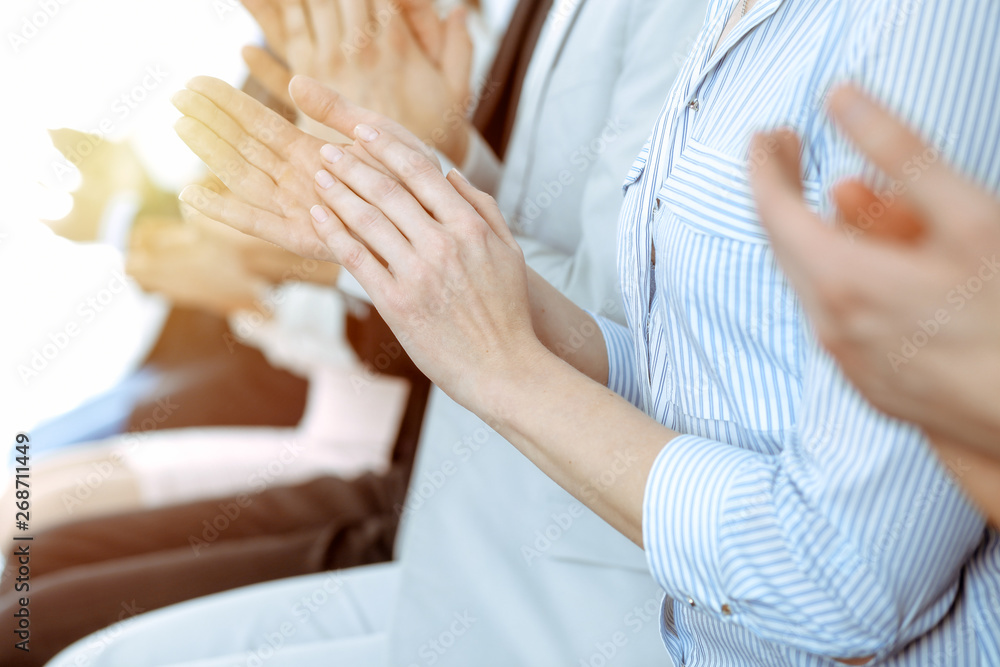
point(461, 176)
point(331, 153)
point(324, 179)
point(187, 195)
point(319, 213)
point(365, 132)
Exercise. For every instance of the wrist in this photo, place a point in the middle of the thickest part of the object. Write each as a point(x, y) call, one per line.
point(500, 392)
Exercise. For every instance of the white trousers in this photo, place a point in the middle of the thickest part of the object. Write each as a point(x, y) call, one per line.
point(327, 619)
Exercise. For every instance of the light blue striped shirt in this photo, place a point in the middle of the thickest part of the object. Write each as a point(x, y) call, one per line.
point(791, 521)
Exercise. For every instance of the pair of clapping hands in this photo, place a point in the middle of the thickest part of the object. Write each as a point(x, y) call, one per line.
point(437, 259)
point(418, 242)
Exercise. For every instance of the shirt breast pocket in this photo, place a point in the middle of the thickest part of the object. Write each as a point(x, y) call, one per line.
point(638, 166)
point(737, 351)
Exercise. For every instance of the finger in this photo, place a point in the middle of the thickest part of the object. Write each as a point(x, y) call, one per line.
point(211, 229)
point(228, 164)
point(298, 36)
point(200, 108)
point(193, 216)
point(367, 222)
point(799, 238)
point(420, 176)
point(268, 17)
point(242, 217)
point(257, 120)
point(326, 26)
point(377, 189)
point(427, 28)
point(456, 59)
point(270, 72)
point(351, 253)
point(485, 205)
point(899, 152)
point(354, 14)
point(864, 211)
point(336, 111)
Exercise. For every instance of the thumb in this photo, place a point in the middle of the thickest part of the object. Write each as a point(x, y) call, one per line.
point(485, 206)
point(332, 109)
point(456, 57)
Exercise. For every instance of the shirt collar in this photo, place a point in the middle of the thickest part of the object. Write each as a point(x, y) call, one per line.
point(761, 11)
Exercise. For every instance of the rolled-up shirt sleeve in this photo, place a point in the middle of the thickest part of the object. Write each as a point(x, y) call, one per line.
point(622, 377)
point(819, 546)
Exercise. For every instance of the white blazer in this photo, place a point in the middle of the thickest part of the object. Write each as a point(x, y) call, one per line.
point(488, 542)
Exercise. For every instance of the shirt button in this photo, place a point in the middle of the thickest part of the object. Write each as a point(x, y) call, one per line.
point(658, 204)
point(691, 602)
point(694, 104)
point(727, 610)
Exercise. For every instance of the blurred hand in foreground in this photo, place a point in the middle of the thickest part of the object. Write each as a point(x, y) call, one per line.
point(905, 294)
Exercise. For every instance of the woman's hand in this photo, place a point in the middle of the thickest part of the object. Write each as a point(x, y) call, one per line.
point(908, 299)
point(397, 58)
point(265, 161)
point(192, 268)
point(258, 154)
point(437, 259)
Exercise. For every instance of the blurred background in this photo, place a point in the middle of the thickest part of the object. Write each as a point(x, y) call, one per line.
point(106, 68)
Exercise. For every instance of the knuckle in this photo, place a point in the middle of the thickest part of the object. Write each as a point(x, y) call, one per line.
point(419, 166)
point(444, 246)
point(398, 302)
point(351, 254)
point(388, 188)
point(367, 218)
point(474, 232)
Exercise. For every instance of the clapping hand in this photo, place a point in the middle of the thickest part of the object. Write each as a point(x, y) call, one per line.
point(434, 254)
point(908, 300)
point(265, 161)
point(397, 58)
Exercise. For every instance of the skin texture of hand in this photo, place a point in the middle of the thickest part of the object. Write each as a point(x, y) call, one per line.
point(908, 301)
point(443, 269)
point(395, 57)
point(457, 256)
point(265, 161)
point(462, 310)
point(191, 267)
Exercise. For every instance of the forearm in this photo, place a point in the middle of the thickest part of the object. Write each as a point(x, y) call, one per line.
point(585, 437)
point(567, 330)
